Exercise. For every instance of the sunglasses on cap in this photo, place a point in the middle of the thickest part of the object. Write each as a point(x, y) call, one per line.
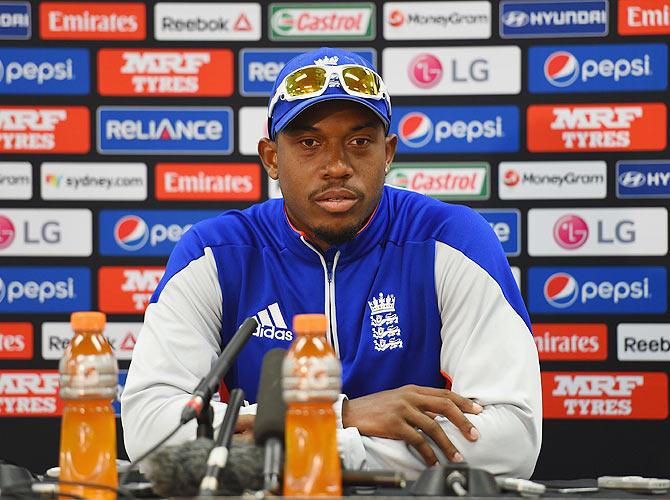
point(312, 81)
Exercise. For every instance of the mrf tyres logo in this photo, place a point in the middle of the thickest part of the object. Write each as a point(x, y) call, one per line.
point(444, 181)
point(558, 19)
point(605, 395)
point(127, 290)
point(456, 129)
point(166, 130)
point(44, 129)
point(44, 71)
point(322, 21)
point(585, 68)
point(615, 290)
point(597, 127)
point(26, 393)
point(165, 72)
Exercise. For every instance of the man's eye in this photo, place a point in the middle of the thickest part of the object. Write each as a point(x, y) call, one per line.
point(310, 143)
point(361, 141)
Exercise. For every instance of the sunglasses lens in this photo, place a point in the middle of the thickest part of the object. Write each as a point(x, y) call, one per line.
point(361, 80)
point(305, 81)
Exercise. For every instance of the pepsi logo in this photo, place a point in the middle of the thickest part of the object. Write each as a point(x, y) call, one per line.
point(561, 69)
point(632, 179)
point(515, 19)
point(511, 178)
point(415, 129)
point(7, 232)
point(131, 232)
point(571, 231)
point(561, 290)
point(425, 71)
point(397, 18)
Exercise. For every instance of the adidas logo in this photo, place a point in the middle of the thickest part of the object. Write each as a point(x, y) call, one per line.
point(271, 324)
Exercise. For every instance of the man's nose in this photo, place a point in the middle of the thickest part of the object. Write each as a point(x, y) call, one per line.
point(338, 164)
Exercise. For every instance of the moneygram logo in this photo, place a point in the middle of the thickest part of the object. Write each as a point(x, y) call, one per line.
point(396, 18)
point(644, 17)
point(44, 289)
point(166, 130)
point(425, 71)
point(605, 395)
point(47, 129)
point(558, 19)
point(511, 178)
point(444, 129)
point(597, 127)
point(127, 290)
point(15, 21)
point(323, 21)
point(44, 71)
point(571, 231)
point(146, 232)
point(443, 180)
point(7, 232)
point(92, 21)
point(617, 290)
point(165, 72)
point(584, 68)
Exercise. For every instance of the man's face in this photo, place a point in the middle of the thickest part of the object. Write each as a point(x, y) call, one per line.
point(330, 162)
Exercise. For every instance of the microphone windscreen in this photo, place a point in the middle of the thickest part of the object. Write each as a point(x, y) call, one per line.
point(177, 471)
point(271, 411)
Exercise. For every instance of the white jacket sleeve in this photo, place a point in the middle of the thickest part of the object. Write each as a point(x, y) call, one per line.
point(179, 342)
point(489, 353)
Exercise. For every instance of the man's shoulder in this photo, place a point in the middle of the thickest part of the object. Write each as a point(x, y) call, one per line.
point(417, 217)
point(252, 226)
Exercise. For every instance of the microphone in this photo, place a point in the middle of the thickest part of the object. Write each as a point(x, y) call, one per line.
point(210, 382)
point(271, 417)
point(177, 471)
point(219, 454)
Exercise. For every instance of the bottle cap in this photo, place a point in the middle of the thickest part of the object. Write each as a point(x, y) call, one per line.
point(88, 321)
point(310, 323)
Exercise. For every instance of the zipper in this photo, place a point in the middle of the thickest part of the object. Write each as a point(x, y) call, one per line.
point(329, 267)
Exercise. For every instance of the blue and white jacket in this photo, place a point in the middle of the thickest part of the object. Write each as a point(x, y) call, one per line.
point(422, 295)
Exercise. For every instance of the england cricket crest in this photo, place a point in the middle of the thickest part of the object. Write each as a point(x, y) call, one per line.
point(384, 321)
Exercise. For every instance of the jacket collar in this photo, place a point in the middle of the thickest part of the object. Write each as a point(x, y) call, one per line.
point(369, 237)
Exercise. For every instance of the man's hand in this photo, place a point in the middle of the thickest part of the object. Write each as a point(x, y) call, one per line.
point(399, 413)
point(244, 428)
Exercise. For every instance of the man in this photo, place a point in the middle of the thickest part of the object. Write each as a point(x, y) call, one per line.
point(418, 293)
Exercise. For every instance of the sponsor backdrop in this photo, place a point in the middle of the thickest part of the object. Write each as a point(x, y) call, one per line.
point(124, 123)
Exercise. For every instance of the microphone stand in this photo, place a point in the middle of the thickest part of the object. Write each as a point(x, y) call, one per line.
point(205, 421)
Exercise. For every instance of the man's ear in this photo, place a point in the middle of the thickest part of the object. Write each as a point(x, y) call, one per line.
point(267, 151)
point(391, 145)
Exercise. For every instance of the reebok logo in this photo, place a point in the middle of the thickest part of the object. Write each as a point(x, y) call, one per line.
point(271, 324)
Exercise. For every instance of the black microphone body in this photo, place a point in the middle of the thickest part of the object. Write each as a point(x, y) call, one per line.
point(210, 382)
point(271, 418)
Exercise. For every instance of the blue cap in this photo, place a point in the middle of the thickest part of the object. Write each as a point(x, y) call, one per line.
point(285, 111)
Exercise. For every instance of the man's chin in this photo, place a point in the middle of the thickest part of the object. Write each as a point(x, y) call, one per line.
point(337, 236)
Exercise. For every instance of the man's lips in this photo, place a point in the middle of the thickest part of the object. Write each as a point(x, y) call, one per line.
point(336, 200)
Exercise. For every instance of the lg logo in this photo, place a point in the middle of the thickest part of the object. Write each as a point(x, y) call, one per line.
point(426, 71)
point(572, 232)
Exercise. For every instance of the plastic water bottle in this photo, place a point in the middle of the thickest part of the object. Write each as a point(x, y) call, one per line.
point(312, 381)
point(88, 381)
